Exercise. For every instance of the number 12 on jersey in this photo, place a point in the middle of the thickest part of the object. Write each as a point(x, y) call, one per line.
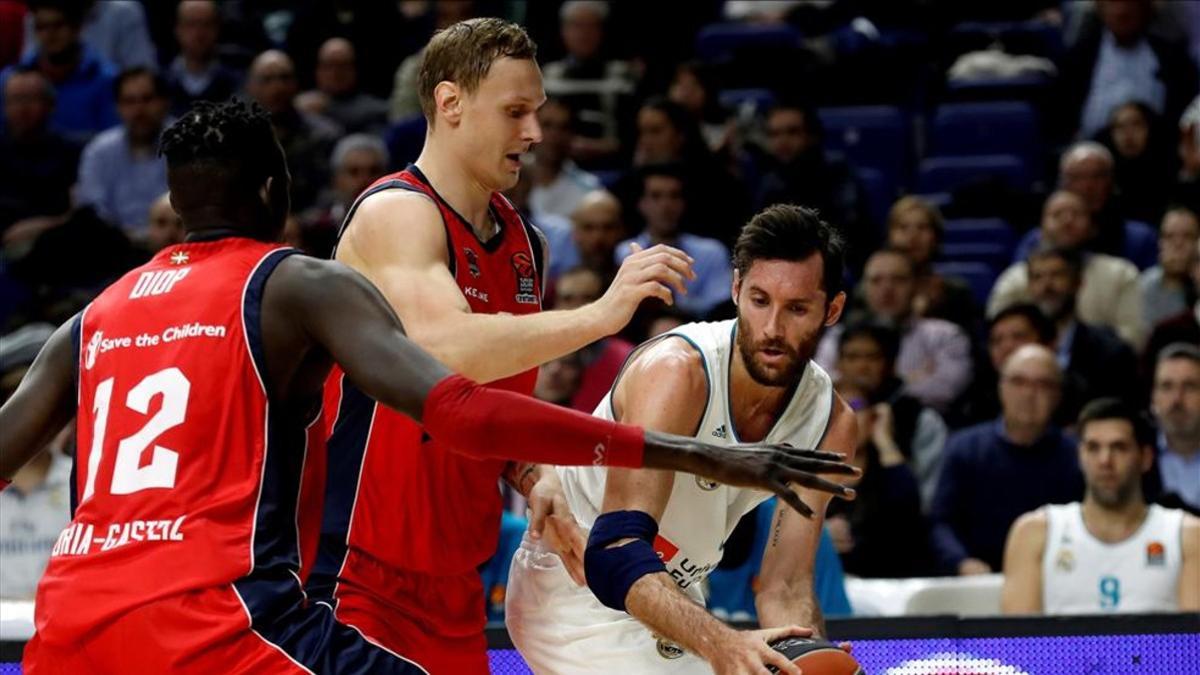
point(128, 474)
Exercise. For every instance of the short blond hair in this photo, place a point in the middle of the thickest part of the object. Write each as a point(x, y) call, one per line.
point(464, 52)
point(925, 207)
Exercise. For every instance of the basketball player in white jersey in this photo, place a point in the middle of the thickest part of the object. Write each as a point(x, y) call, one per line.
point(655, 535)
point(1113, 552)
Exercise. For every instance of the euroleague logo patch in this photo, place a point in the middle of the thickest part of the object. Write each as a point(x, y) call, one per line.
point(666, 648)
point(526, 284)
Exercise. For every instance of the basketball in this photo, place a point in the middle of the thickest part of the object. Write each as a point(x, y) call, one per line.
point(817, 657)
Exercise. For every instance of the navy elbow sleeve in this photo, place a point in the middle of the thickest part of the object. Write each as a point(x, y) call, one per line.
point(611, 572)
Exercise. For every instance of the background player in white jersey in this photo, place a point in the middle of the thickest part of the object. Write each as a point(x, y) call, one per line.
point(655, 535)
point(1112, 552)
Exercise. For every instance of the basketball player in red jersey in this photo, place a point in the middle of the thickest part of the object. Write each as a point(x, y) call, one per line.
point(197, 382)
point(406, 526)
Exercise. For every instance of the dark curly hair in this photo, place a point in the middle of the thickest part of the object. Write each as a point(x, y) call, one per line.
point(790, 232)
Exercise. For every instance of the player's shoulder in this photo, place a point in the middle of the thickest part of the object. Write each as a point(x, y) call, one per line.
point(1032, 525)
point(382, 210)
point(670, 361)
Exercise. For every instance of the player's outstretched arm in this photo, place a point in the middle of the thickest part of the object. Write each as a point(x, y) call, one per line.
point(396, 239)
point(42, 404)
point(785, 595)
point(1022, 592)
point(1189, 570)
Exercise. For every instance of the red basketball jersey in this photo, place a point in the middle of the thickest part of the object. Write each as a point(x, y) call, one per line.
point(391, 493)
point(185, 478)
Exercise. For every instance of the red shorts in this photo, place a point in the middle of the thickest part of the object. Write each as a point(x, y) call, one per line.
point(209, 631)
point(436, 621)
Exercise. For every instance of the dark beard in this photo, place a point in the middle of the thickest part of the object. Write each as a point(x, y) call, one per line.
point(1120, 496)
point(792, 371)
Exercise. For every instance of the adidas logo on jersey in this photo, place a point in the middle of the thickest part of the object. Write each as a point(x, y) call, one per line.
point(719, 432)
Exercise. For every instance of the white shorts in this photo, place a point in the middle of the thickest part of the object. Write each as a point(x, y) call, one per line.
point(562, 628)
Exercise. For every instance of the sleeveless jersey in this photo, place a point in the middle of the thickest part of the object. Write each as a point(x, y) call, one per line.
point(1083, 575)
point(701, 514)
point(185, 477)
point(391, 494)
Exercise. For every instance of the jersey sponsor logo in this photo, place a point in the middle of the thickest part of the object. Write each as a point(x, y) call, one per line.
point(472, 292)
point(664, 548)
point(157, 282)
point(1156, 554)
point(526, 288)
point(100, 344)
point(472, 261)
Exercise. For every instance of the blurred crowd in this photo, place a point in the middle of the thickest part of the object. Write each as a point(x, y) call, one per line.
point(1009, 174)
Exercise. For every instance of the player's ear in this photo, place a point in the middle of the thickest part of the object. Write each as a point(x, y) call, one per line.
point(834, 311)
point(447, 98)
point(736, 286)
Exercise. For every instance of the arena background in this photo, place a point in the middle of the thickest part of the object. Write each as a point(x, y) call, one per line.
point(972, 107)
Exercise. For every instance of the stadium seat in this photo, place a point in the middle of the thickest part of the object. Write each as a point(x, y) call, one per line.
point(980, 276)
point(721, 41)
point(879, 191)
point(876, 137)
point(986, 128)
point(608, 177)
point(946, 174)
point(993, 255)
point(980, 231)
point(733, 99)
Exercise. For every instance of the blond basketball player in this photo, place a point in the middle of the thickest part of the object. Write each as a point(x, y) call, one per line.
point(656, 535)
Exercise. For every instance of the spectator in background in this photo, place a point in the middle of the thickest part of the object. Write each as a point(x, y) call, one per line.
point(935, 355)
point(166, 227)
point(37, 506)
point(596, 86)
point(662, 205)
point(1113, 552)
point(1109, 295)
point(665, 319)
point(995, 471)
point(558, 380)
point(1183, 327)
point(1167, 287)
point(693, 87)
point(867, 376)
point(197, 73)
point(559, 185)
point(357, 161)
point(915, 227)
point(120, 172)
point(1143, 162)
point(600, 361)
point(667, 134)
point(37, 164)
point(1087, 170)
point(114, 29)
point(306, 139)
point(403, 103)
point(1118, 59)
point(1186, 190)
point(1095, 360)
point(796, 171)
point(1175, 403)
point(595, 230)
point(1013, 327)
point(82, 78)
point(337, 96)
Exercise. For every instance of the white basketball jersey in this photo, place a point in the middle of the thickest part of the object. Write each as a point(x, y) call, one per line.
point(1083, 575)
point(701, 514)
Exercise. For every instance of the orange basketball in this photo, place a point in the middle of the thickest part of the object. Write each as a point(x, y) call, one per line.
point(817, 657)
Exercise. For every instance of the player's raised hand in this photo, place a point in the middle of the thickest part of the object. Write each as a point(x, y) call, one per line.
point(746, 652)
point(647, 273)
point(764, 467)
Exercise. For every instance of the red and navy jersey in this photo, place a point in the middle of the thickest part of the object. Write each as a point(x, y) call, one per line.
point(185, 477)
point(391, 493)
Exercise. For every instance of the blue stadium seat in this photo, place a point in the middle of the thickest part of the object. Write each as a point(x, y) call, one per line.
point(880, 192)
point(995, 256)
point(979, 276)
point(732, 99)
point(608, 177)
point(980, 231)
point(874, 136)
point(946, 174)
point(404, 140)
point(985, 128)
point(721, 41)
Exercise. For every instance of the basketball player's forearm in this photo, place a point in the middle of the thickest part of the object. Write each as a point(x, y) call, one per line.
point(511, 343)
point(791, 605)
point(658, 603)
point(42, 404)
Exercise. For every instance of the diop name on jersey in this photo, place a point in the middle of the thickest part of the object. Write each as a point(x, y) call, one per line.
point(78, 538)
